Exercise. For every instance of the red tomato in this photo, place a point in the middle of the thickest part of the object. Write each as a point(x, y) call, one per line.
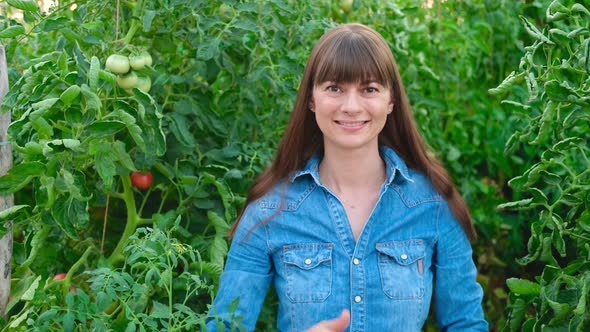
point(59, 276)
point(142, 180)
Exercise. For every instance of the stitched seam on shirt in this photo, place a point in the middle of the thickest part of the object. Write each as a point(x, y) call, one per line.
point(406, 201)
point(435, 240)
point(293, 206)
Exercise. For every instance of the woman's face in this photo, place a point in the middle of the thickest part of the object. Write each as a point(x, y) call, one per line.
point(351, 115)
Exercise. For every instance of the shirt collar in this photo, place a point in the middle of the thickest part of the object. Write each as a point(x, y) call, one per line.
point(393, 165)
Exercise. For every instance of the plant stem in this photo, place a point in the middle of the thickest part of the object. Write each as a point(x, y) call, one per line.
point(74, 268)
point(132, 220)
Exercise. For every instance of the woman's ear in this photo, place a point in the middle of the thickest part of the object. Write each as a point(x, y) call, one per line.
point(311, 106)
point(390, 108)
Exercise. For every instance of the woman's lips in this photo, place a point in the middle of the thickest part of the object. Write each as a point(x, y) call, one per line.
point(351, 124)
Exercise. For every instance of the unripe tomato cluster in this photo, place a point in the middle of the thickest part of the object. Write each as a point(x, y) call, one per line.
point(129, 70)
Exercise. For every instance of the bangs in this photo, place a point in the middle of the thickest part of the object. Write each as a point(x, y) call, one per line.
point(351, 59)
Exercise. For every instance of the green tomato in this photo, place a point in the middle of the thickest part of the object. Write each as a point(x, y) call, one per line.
point(118, 64)
point(226, 12)
point(346, 5)
point(127, 81)
point(144, 83)
point(147, 58)
point(136, 61)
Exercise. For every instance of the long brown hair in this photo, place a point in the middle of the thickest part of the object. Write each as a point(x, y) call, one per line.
point(354, 53)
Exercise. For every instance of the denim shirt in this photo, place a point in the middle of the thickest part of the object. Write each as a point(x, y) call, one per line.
point(411, 251)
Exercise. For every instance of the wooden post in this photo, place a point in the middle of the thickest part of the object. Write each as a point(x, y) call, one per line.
point(5, 201)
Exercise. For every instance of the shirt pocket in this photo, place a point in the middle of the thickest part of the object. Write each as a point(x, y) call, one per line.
point(308, 271)
point(401, 266)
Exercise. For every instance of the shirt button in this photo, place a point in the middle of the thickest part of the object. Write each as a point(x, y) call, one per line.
point(357, 299)
point(404, 256)
point(355, 261)
point(307, 261)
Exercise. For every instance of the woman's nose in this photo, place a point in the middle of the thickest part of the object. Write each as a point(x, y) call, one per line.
point(351, 102)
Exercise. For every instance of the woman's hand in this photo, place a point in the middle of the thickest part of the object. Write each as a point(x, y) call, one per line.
point(332, 325)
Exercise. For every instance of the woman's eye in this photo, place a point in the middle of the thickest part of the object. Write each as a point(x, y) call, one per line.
point(333, 88)
point(371, 90)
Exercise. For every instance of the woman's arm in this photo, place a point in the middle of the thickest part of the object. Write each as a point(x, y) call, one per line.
point(247, 275)
point(457, 295)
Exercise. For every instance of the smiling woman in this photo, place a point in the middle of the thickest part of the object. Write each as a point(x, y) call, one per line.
point(354, 219)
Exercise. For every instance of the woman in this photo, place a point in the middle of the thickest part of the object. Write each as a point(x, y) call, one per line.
point(354, 216)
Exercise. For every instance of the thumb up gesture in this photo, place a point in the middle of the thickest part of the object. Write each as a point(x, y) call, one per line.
point(333, 325)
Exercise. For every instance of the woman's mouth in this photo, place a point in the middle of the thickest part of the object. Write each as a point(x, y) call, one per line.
point(351, 124)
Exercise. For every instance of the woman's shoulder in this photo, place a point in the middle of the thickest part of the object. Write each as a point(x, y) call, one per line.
point(416, 188)
point(286, 195)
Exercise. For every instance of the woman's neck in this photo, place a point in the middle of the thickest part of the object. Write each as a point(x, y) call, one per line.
point(343, 171)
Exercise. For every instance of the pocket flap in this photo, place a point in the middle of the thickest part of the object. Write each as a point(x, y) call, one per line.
point(307, 256)
point(402, 252)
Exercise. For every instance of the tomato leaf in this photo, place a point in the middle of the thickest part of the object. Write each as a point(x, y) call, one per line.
point(27, 5)
point(19, 176)
point(523, 286)
point(105, 128)
point(29, 294)
point(179, 125)
point(71, 215)
point(12, 212)
point(93, 73)
point(12, 31)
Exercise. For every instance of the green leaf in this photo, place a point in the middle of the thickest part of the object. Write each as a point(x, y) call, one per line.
point(580, 9)
point(47, 315)
point(558, 242)
point(93, 73)
point(105, 128)
point(104, 161)
point(567, 143)
point(218, 250)
point(506, 84)
point(148, 17)
point(550, 178)
point(534, 32)
point(69, 320)
point(581, 307)
point(27, 5)
point(29, 294)
point(546, 125)
point(92, 100)
point(208, 50)
point(12, 212)
point(43, 128)
point(523, 286)
point(538, 196)
point(131, 327)
point(517, 314)
point(43, 105)
point(71, 215)
point(159, 310)
point(122, 156)
point(12, 31)
point(19, 176)
point(107, 76)
point(179, 125)
point(226, 194)
point(68, 96)
point(134, 130)
point(521, 204)
point(219, 224)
